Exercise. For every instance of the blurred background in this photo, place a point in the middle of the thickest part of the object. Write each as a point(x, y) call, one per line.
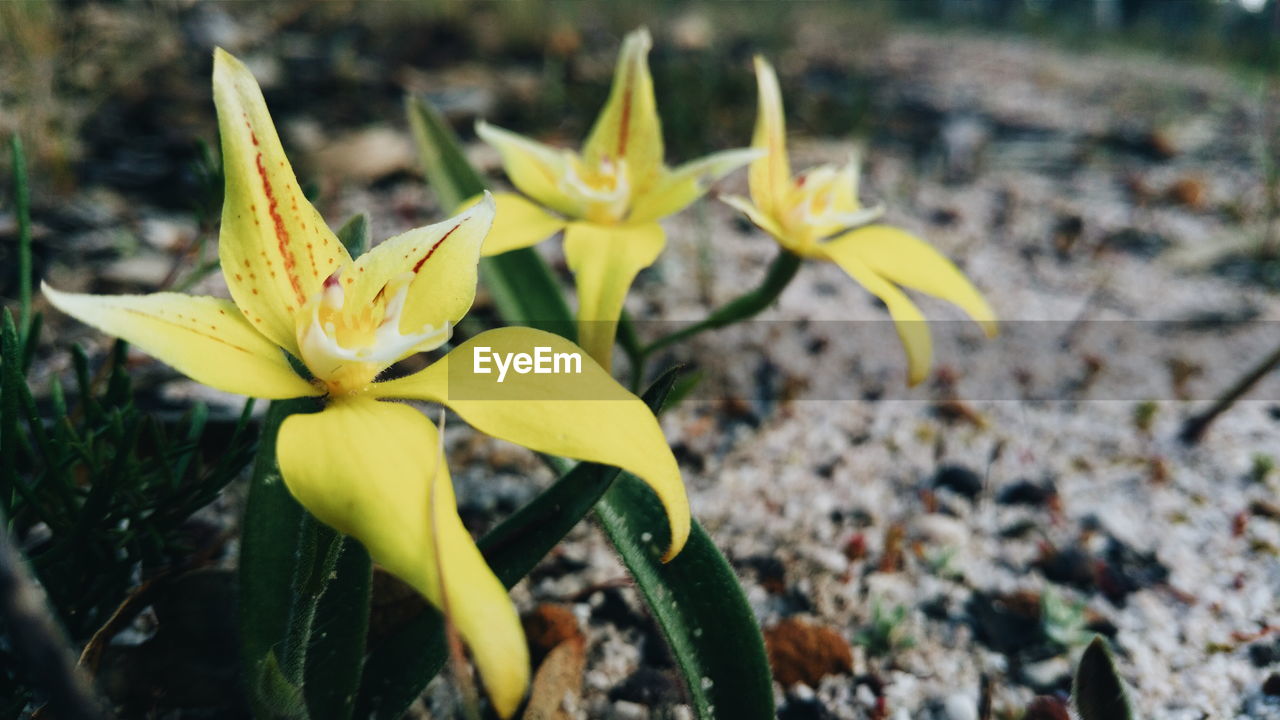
point(1082, 160)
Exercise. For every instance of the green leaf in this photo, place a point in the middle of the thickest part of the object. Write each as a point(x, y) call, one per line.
point(335, 659)
point(268, 564)
point(1098, 692)
point(355, 235)
point(522, 286)
point(10, 381)
point(398, 670)
point(697, 602)
point(22, 207)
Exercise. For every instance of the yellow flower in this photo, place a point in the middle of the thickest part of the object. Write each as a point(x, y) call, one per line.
point(812, 215)
point(608, 198)
point(368, 467)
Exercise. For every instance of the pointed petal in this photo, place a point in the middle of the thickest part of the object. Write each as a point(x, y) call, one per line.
point(757, 217)
point(275, 248)
point(534, 168)
point(687, 183)
point(907, 260)
point(604, 260)
point(441, 259)
point(910, 323)
point(373, 470)
point(628, 127)
point(517, 224)
point(585, 415)
point(205, 338)
point(770, 176)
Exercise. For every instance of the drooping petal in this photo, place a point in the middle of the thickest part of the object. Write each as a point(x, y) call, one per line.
point(759, 218)
point(910, 323)
point(628, 128)
point(604, 260)
point(680, 187)
point(275, 248)
point(374, 470)
point(907, 260)
point(441, 261)
point(537, 170)
point(205, 338)
point(518, 224)
point(769, 176)
point(585, 415)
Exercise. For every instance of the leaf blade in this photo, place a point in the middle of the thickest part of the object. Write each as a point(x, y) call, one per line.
point(1098, 693)
point(697, 602)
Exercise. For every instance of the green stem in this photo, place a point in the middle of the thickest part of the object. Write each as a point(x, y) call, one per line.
point(22, 208)
point(781, 271)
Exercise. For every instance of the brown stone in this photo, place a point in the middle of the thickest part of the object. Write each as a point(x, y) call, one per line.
point(1047, 707)
point(1189, 192)
point(548, 626)
point(803, 653)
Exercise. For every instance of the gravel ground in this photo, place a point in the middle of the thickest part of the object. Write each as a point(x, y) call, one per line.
point(1076, 500)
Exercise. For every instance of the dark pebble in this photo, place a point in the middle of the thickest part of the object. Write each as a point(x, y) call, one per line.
point(648, 686)
point(1025, 492)
point(958, 479)
point(795, 708)
point(1271, 686)
point(1262, 654)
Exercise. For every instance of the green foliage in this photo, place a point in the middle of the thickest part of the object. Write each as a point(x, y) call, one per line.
point(1064, 622)
point(1098, 693)
point(278, 541)
point(354, 235)
point(99, 494)
point(697, 602)
point(886, 632)
point(1261, 467)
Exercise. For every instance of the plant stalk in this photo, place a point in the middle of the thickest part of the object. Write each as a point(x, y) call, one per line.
point(780, 273)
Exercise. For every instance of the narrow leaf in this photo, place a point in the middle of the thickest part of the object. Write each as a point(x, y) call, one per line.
point(398, 670)
point(698, 604)
point(522, 286)
point(268, 561)
point(335, 659)
point(22, 207)
point(355, 235)
point(10, 380)
point(1098, 692)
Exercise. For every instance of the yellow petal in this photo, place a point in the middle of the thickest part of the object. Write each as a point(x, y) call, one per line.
point(373, 470)
point(518, 224)
point(628, 127)
point(680, 187)
point(586, 415)
point(204, 338)
point(910, 323)
point(536, 170)
point(440, 258)
point(770, 176)
point(604, 260)
point(907, 260)
point(275, 248)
